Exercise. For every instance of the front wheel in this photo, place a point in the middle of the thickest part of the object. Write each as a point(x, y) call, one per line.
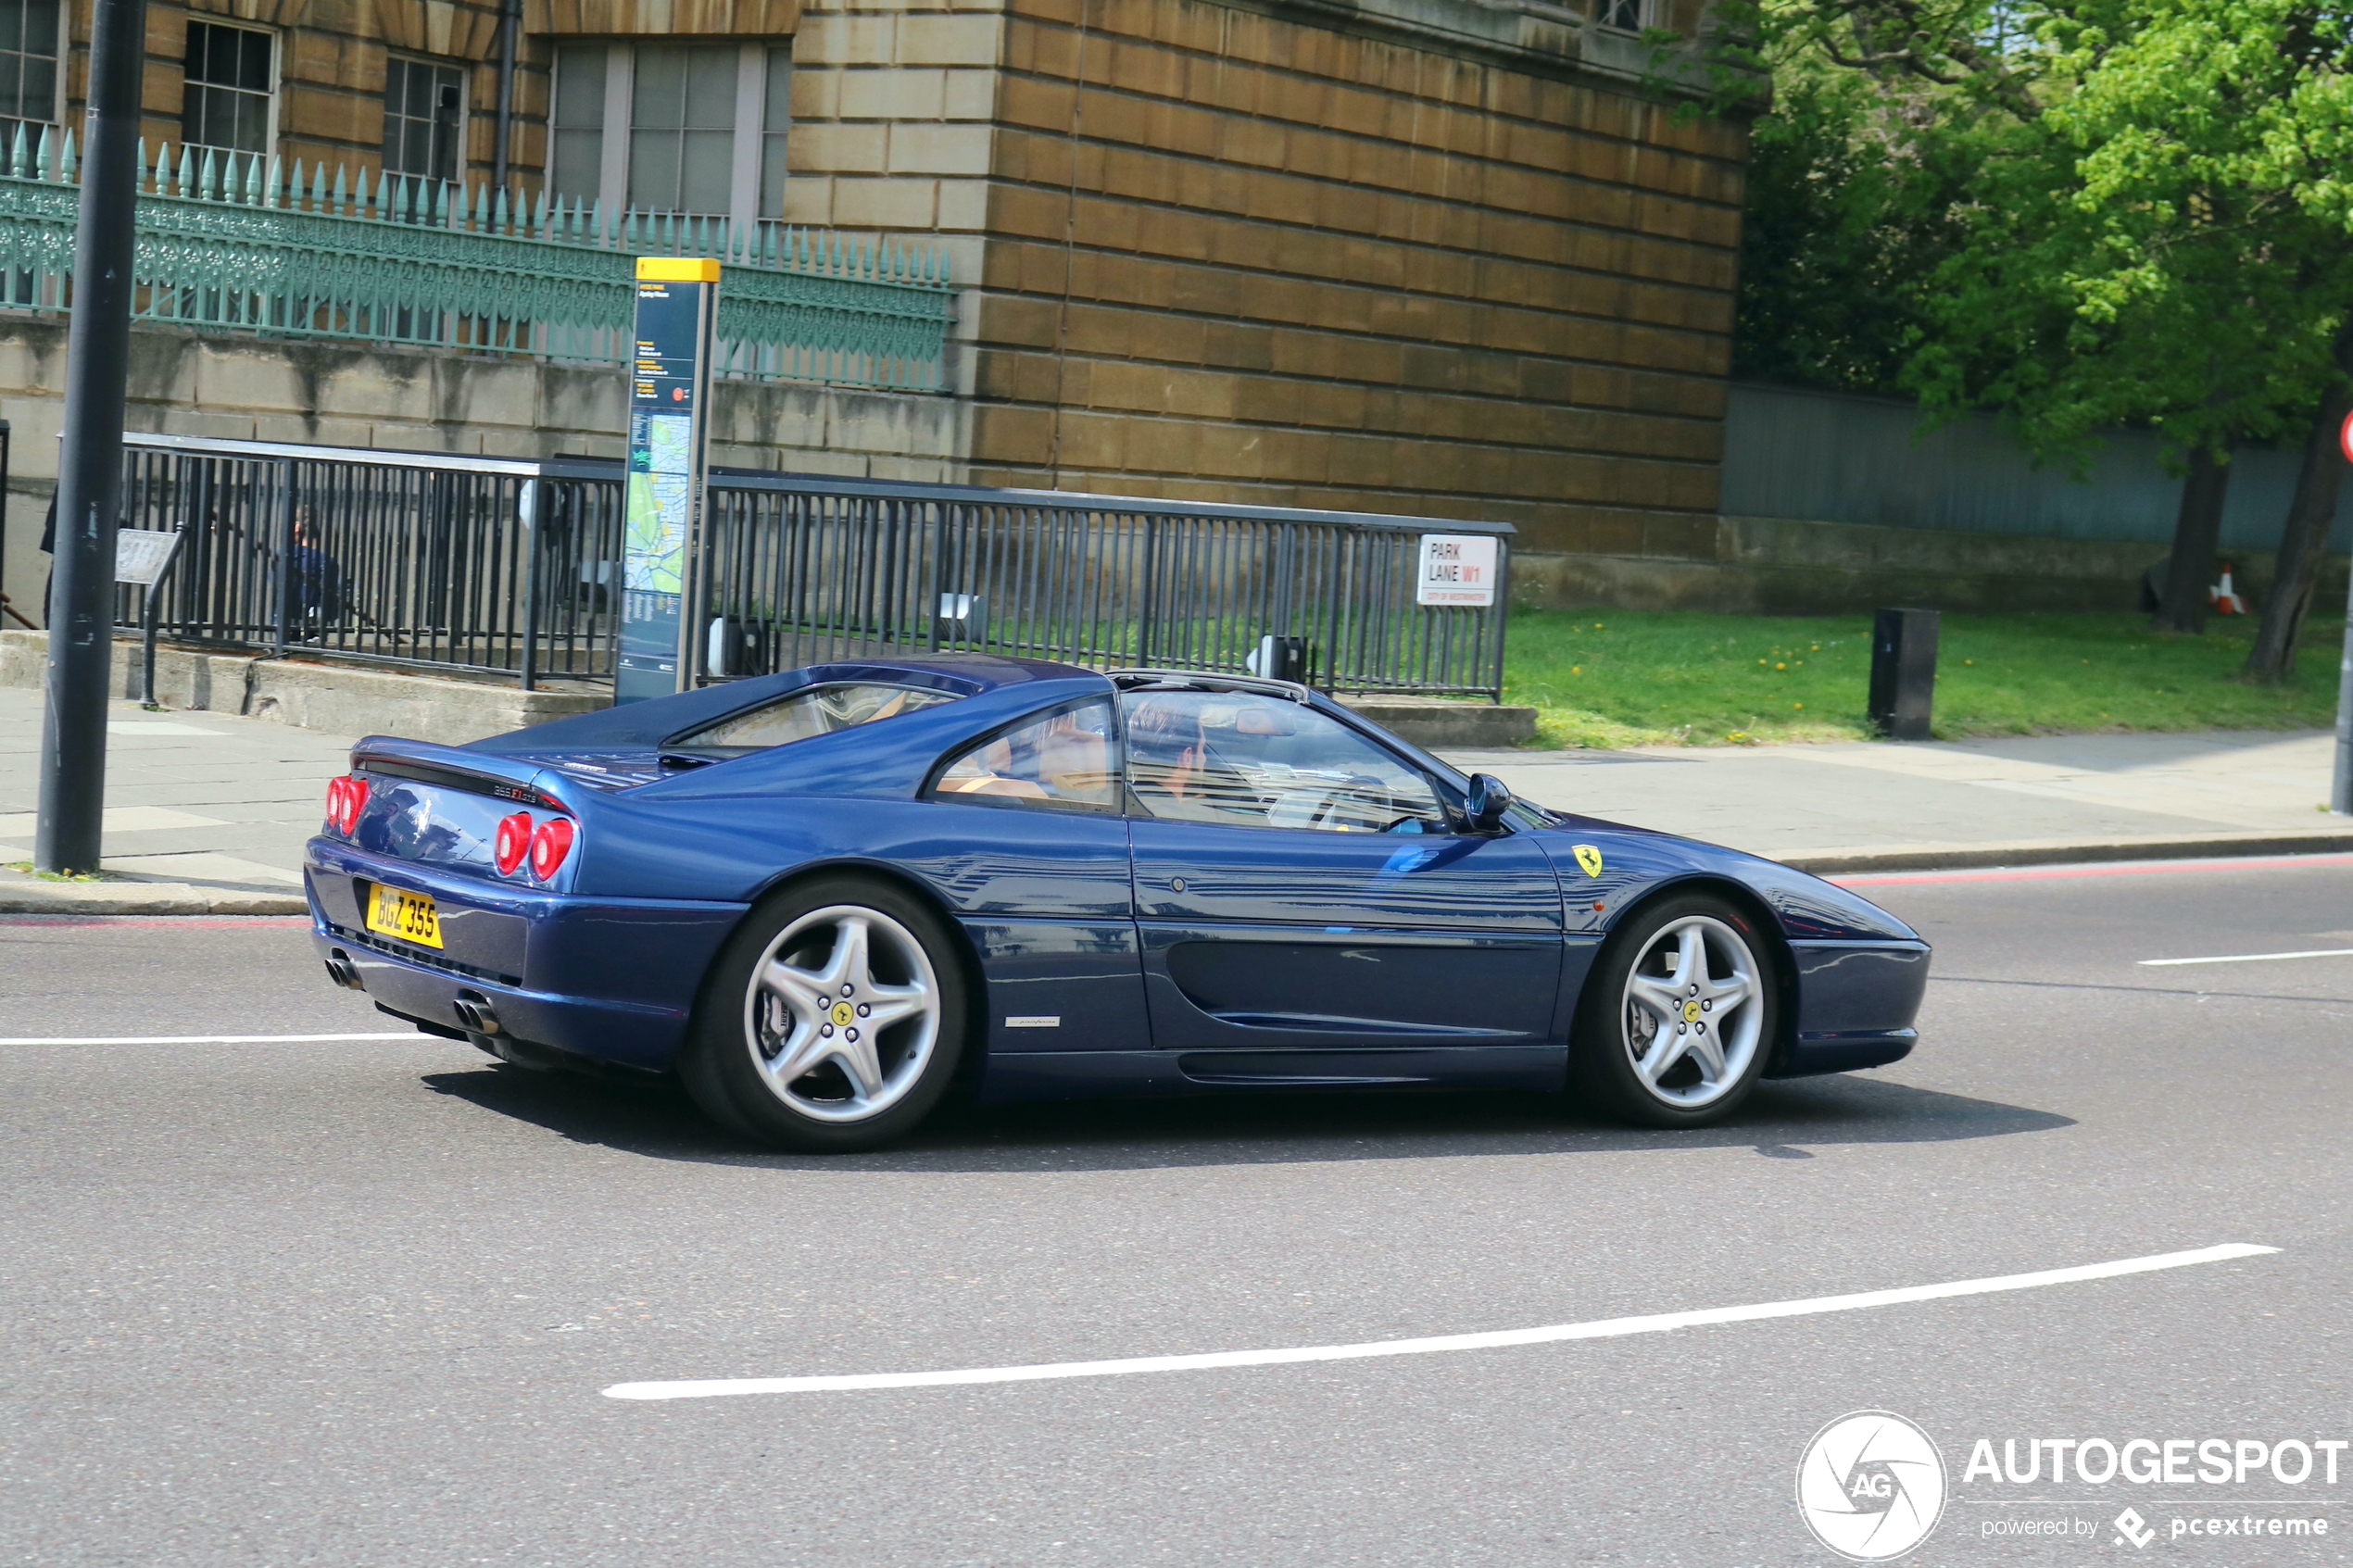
point(832, 1021)
point(1678, 1016)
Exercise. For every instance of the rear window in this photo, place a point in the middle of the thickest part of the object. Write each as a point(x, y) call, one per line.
point(819, 711)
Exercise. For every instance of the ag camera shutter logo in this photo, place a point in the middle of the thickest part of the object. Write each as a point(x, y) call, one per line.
point(1870, 1485)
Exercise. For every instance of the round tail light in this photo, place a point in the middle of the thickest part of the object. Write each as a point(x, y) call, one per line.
point(549, 846)
point(346, 798)
point(514, 841)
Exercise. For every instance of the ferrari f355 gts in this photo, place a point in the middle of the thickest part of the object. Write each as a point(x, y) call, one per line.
point(829, 899)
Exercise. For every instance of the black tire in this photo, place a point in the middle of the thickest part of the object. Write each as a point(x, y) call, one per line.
point(1610, 1047)
point(865, 1087)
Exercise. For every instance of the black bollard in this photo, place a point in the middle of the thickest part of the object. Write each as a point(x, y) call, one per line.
point(1903, 673)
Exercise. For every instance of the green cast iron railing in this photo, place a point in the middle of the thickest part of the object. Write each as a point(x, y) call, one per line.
point(229, 242)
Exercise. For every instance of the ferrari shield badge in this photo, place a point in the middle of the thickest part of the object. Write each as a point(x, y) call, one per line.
point(1588, 859)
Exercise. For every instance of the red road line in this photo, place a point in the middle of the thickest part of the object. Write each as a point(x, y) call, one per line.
point(2079, 872)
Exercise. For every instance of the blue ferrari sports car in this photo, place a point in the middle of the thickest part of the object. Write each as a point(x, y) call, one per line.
point(829, 899)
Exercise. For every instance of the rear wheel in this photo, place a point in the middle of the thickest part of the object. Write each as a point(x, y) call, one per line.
point(832, 1021)
point(1678, 1015)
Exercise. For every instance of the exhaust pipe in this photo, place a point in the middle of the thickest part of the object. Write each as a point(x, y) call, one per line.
point(483, 1031)
point(344, 972)
point(475, 1015)
point(480, 1020)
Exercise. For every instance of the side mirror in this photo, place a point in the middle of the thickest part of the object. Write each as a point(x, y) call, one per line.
point(1487, 802)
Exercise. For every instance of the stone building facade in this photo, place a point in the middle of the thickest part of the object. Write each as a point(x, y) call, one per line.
point(1442, 256)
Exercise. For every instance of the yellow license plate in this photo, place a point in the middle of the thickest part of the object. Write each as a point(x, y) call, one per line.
point(410, 916)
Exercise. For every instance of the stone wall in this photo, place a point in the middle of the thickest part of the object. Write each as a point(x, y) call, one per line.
point(894, 104)
point(1407, 256)
point(1428, 257)
point(183, 384)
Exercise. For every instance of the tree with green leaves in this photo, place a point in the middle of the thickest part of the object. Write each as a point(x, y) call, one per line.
point(1843, 228)
point(2134, 219)
point(2138, 253)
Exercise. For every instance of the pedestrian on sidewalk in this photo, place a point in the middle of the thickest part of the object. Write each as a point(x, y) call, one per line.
point(320, 585)
point(49, 548)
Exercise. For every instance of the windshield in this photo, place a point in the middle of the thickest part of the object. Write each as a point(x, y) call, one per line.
point(817, 711)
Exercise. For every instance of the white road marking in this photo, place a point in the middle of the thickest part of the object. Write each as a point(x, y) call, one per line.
point(195, 1039)
point(2251, 958)
point(1606, 1329)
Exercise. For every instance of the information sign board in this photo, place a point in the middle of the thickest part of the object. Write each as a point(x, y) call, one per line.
point(141, 555)
point(669, 392)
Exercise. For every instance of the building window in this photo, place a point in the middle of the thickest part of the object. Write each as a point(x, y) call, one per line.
point(693, 129)
point(682, 129)
point(231, 78)
point(1624, 15)
point(424, 119)
point(28, 69)
point(580, 121)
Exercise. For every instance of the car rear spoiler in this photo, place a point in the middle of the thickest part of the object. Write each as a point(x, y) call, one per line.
point(447, 767)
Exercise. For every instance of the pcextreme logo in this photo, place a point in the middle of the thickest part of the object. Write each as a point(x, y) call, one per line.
point(1870, 1485)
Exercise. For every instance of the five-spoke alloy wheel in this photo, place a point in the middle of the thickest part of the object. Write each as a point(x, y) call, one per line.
point(1678, 1016)
point(834, 1022)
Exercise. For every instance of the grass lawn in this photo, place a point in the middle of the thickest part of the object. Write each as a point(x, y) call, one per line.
point(1612, 678)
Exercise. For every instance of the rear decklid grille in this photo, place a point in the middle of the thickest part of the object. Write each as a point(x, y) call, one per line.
point(605, 771)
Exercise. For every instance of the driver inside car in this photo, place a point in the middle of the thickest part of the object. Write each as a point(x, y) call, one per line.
point(1252, 761)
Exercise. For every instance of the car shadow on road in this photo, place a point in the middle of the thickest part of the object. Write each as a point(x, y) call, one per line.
point(1780, 1121)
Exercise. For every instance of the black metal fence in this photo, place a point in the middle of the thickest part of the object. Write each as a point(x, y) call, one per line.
point(513, 568)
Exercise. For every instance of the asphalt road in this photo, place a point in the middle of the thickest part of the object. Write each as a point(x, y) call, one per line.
point(355, 1302)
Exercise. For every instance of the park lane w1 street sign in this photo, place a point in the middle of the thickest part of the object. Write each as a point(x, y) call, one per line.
point(669, 389)
point(1456, 568)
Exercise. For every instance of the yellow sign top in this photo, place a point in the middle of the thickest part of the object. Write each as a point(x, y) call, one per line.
point(676, 270)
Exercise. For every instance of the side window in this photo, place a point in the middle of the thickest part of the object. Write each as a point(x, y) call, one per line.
point(817, 711)
point(1064, 761)
point(1248, 761)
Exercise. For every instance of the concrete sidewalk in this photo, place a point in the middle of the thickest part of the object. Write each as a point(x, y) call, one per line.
point(1861, 806)
point(206, 813)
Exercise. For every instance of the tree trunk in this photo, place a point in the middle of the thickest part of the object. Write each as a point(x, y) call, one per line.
point(2197, 528)
point(2306, 536)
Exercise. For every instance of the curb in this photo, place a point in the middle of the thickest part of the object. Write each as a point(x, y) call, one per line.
point(23, 896)
point(1932, 858)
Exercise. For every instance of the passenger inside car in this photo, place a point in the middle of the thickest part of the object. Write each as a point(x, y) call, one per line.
point(1065, 758)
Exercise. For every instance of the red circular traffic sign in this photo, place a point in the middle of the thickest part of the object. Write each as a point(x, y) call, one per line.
point(2345, 438)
